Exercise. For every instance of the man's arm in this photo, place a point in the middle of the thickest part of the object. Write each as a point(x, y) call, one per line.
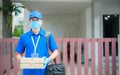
point(54, 54)
point(52, 57)
point(19, 56)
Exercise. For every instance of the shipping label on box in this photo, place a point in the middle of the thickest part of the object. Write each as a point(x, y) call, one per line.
point(31, 63)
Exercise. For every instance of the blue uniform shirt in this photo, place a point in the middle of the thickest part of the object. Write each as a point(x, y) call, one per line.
point(25, 45)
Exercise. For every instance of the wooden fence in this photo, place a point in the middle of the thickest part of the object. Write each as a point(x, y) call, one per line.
point(81, 56)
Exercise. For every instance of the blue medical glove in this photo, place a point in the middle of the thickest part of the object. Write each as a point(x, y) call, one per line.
point(46, 61)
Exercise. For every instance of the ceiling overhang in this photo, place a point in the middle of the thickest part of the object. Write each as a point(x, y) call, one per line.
point(56, 6)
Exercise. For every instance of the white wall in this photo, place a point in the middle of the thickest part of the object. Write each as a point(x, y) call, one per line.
point(88, 23)
point(82, 26)
point(26, 20)
point(62, 25)
point(0, 20)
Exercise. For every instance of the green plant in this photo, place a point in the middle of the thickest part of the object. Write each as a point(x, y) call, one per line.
point(18, 30)
point(7, 10)
point(10, 8)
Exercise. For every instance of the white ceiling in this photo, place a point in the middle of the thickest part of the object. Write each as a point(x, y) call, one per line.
point(49, 7)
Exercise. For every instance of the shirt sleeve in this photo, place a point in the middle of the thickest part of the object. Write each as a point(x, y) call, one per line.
point(20, 46)
point(52, 43)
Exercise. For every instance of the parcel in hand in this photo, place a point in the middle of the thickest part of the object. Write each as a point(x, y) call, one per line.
point(31, 63)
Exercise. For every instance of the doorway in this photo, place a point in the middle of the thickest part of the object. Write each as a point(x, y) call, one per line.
point(110, 26)
point(110, 30)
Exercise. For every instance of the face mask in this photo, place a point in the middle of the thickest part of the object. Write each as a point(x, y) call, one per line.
point(35, 24)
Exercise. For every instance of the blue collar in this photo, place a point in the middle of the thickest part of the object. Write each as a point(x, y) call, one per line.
point(41, 32)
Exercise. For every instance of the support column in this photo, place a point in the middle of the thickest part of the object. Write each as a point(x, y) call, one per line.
point(1, 20)
point(119, 52)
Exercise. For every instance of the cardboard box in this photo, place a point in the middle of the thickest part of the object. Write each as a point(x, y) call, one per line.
point(31, 63)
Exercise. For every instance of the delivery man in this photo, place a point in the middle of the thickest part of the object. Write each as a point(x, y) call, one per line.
point(34, 44)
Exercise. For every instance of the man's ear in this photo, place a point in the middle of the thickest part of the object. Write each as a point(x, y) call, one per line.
point(29, 21)
point(42, 21)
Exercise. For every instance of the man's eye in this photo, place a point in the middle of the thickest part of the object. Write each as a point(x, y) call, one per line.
point(32, 20)
point(37, 19)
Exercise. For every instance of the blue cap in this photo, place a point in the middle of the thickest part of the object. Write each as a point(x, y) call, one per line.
point(35, 13)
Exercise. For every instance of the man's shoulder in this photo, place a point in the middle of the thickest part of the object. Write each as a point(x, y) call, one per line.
point(26, 34)
point(46, 33)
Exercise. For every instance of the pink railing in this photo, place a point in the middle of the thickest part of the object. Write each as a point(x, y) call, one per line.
point(69, 49)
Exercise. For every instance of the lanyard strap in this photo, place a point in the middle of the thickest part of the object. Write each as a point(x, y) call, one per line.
point(35, 45)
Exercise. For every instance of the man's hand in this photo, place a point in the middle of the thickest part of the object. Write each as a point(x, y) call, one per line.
point(46, 61)
point(19, 56)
